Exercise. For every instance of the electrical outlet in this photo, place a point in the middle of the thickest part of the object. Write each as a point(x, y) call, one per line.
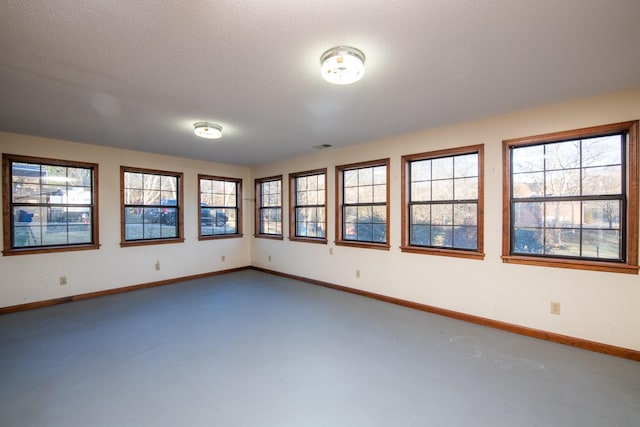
point(63, 280)
point(330, 251)
point(358, 274)
point(222, 258)
point(555, 307)
point(157, 265)
point(269, 258)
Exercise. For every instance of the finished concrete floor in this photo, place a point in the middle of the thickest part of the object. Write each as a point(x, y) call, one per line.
point(253, 349)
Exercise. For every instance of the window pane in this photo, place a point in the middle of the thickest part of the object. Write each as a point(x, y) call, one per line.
point(465, 189)
point(442, 168)
point(602, 244)
point(465, 214)
point(420, 170)
point(365, 176)
point(563, 182)
point(350, 178)
point(527, 159)
point(442, 189)
point(365, 194)
point(528, 184)
point(466, 165)
point(441, 236)
point(420, 235)
point(562, 155)
point(603, 214)
point(380, 175)
point(380, 193)
point(527, 240)
point(442, 214)
point(421, 191)
point(602, 151)
point(351, 195)
point(563, 214)
point(421, 214)
point(565, 242)
point(528, 214)
point(465, 237)
point(602, 180)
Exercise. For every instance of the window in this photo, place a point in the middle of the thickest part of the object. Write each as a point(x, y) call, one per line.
point(269, 207)
point(151, 207)
point(220, 210)
point(362, 193)
point(571, 199)
point(442, 202)
point(50, 205)
point(308, 218)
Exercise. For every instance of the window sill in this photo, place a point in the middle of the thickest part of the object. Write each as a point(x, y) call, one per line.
point(221, 236)
point(308, 240)
point(365, 245)
point(49, 249)
point(612, 267)
point(269, 236)
point(150, 242)
point(443, 252)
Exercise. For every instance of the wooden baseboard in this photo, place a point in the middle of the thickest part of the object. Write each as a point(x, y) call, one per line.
point(522, 330)
point(63, 300)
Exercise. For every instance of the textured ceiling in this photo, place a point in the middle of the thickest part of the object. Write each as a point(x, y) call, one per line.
point(138, 74)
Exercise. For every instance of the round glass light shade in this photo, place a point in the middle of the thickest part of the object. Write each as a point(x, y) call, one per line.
point(342, 65)
point(207, 130)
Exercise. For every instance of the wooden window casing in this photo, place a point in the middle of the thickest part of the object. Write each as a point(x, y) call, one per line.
point(308, 206)
point(472, 199)
point(582, 223)
point(365, 209)
point(268, 208)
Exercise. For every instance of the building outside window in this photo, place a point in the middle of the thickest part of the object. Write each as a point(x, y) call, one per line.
point(220, 209)
point(52, 205)
point(151, 206)
point(269, 207)
point(572, 199)
point(308, 216)
point(362, 193)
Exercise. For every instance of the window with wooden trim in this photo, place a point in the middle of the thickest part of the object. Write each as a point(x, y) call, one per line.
point(571, 199)
point(151, 202)
point(49, 205)
point(442, 202)
point(220, 209)
point(269, 207)
point(362, 201)
point(308, 209)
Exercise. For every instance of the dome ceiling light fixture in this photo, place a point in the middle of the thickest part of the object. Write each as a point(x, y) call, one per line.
point(207, 130)
point(342, 65)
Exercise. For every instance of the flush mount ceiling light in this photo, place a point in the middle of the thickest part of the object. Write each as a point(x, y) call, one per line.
point(207, 130)
point(342, 65)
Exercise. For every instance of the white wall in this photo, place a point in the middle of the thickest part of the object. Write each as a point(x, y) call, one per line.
point(29, 278)
point(596, 306)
